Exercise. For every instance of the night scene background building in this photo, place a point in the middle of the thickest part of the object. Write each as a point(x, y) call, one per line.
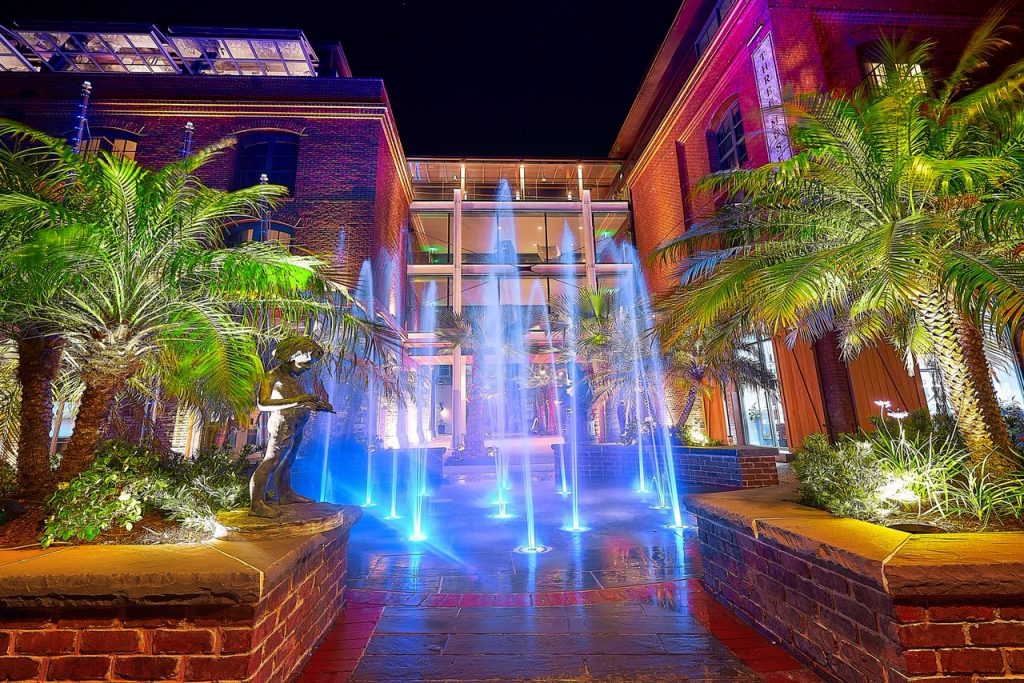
point(419, 232)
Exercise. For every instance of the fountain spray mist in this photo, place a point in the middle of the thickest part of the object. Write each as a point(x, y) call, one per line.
point(574, 374)
point(661, 435)
point(364, 292)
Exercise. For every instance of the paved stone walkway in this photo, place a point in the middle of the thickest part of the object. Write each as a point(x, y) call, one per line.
point(621, 602)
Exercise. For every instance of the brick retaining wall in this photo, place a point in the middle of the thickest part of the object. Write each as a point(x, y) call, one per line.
point(249, 611)
point(719, 467)
point(864, 603)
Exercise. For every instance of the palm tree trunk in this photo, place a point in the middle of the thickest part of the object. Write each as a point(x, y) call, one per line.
point(474, 427)
point(91, 420)
point(960, 353)
point(834, 376)
point(38, 363)
point(691, 399)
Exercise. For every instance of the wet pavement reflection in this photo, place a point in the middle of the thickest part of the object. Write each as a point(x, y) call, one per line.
point(620, 602)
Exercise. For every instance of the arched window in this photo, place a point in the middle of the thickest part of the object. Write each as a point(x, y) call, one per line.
point(728, 141)
point(255, 231)
point(276, 154)
point(120, 142)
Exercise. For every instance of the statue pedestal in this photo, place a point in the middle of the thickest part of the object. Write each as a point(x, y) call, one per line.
point(298, 519)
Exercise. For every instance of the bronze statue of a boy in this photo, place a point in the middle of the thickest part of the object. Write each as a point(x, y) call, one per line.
point(281, 395)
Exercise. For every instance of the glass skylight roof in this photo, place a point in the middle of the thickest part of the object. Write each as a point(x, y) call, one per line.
point(244, 53)
point(135, 49)
point(11, 59)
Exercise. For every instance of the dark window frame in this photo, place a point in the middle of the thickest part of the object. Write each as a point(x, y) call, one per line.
point(106, 138)
point(275, 153)
point(728, 140)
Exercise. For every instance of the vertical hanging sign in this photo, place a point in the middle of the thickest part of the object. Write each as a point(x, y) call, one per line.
point(769, 92)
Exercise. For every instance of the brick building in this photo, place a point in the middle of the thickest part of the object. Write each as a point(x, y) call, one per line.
point(710, 101)
point(427, 228)
point(301, 119)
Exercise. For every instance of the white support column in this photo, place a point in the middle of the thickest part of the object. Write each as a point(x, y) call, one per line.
point(458, 365)
point(589, 248)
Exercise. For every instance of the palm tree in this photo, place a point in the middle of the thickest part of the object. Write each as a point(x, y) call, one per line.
point(693, 366)
point(474, 335)
point(10, 402)
point(466, 333)
point(897, 221)
point(42, 185)
point(140, 274)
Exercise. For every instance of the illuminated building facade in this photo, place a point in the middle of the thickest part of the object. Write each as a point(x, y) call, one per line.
point(431, 230)
point(711, 101)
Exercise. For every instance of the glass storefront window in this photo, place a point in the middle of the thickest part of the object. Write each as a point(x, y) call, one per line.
point(611, 232)
point(934, 392)
point(431, 237)
point(521, 238)
point(249, 232)
point(429, 296)
point(1007, 379)
point(565, 238)
point(527, 180)
point(1006, 374)
point(524, 299)
point(764, 422)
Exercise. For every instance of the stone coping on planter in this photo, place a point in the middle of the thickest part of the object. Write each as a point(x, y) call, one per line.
point(214, 571)
point(948, 565)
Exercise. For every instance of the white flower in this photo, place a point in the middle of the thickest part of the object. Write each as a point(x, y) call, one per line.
point(883, 404)
point(899, 415)
point(124, 496)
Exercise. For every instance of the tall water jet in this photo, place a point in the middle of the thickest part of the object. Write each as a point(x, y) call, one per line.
point(421, 400)
point(364, 293)
point(507, 314)
point(538, 298)
point(661, 435)
point(574, 374)
point(328, 418)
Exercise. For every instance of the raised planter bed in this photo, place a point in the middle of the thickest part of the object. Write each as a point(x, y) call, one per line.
point(861, 602)
point(718, 467)
point(219, 610)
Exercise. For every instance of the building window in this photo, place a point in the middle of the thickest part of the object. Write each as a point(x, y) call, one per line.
point(711, 26)
point(118, 142)
point(729, 142)
point(762, 415)
point(878, 73)
point(257, 232)
point(880, 64)
point(276, 154)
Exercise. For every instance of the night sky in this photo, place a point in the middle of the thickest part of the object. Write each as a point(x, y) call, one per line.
point(525, 78)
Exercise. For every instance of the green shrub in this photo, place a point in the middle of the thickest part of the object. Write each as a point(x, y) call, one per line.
point(915, 468)
point(979, 494)
point(844, 479)
point(116, 490)
point(1013, 415)
point(8, 478)
point(214, 480)
point(125, 482)
point(921, 460)
point(684, 433)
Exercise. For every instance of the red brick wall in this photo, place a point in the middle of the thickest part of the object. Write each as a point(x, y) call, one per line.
point(727, 467)
point(351, 200)
point(835, 621)
point(816, 50)
point(950, 641)
point(847, 622)
point(347, 169)
point(185, 638)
